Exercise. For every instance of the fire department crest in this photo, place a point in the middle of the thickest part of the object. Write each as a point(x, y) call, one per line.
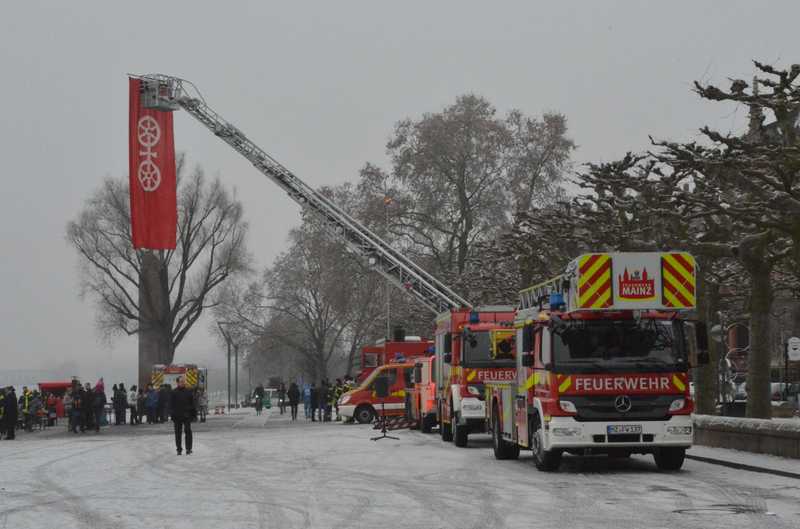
point(636, 285)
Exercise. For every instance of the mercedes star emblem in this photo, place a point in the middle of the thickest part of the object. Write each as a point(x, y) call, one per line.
point(623, 403)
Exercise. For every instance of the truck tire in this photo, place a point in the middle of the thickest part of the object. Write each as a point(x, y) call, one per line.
point(669, 458)
point(445, 431)
point(502, 448)
point(545, 460)
point(460, 433)
point(364, 414)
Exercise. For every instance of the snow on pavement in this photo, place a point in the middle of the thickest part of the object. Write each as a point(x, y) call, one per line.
point(266, 472)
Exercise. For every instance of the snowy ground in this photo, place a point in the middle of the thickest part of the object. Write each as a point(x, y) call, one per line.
point(267, 472)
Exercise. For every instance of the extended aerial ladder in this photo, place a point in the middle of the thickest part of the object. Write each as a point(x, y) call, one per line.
point(166, 93)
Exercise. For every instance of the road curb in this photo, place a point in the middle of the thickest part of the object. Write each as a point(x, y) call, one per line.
point(742, 466)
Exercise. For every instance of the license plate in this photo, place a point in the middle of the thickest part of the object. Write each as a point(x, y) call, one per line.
point(624, 428)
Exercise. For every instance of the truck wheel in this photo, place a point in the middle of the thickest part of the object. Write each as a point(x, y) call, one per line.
point(502, 448)
point(444, 429)
point(460, 433)
point(545, 460)
point(364, 414)
point(669, 458)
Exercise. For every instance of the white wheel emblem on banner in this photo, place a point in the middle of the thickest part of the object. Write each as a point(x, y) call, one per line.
point(148, 133)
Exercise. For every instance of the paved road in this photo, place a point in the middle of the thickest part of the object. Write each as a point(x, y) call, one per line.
point(268, 472)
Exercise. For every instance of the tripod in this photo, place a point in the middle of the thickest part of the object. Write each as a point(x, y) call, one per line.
point(383, 424)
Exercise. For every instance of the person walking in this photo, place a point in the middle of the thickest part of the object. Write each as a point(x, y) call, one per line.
point(313, 401)
point(151, 403)
point(87, 411)
point(163, 402)
point(114, 406)
point(76, 413)
point(140, 410)
point(183, 411)
point(282, 397)
point(99, 401)
point(202, 403)
point(258, 397)
point(307, 400)
point(122, 402)
point(10, 413)
point(294, 399)
point(24, 404)
point(132, 395)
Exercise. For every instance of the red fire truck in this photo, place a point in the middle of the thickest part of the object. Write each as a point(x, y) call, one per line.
point(383, 352)
point(474, 346)
point(603, 353)
point(421, 396)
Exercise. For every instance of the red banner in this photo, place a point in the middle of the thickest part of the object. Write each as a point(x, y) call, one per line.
point(151, 150)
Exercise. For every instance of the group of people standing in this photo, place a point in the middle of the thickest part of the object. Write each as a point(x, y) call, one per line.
point(319, 402)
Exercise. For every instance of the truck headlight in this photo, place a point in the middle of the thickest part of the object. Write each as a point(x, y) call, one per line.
point(344, 400)
point(567, 406)
point(677, 404)
point(472, 390)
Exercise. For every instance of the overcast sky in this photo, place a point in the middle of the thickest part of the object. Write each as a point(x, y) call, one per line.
point(319, 86)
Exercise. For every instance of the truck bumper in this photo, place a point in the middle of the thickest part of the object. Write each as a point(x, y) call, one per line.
point(566, 433)
point(347, 410)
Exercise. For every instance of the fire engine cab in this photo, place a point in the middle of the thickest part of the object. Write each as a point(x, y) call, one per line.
point(474, 346)
point(602, 359)
point(364, 404)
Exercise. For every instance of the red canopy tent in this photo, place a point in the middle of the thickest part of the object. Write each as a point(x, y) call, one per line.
point(56, 388)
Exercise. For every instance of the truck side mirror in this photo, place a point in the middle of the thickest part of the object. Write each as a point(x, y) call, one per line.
point(448, 344)
point(448, 357)
point(527, 360)
point(417, 373)
point(527, 338)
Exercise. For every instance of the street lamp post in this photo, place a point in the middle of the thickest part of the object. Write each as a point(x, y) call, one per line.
point(228, 343)
point(236, 374)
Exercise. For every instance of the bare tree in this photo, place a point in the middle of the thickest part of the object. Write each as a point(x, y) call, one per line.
point(158, 295)
point(464, 170)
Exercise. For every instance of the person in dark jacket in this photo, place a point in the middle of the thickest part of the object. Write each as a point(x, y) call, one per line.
point(87, 416)
point(183, 411)
point(120, 404)
point(10, 413)
point(151, 404)
point(293, 394)
point(314, 401)
point(164, 400)
point(99, 404)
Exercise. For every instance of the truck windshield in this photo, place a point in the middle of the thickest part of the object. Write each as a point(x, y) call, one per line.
point(477, 351)
point(632, 346)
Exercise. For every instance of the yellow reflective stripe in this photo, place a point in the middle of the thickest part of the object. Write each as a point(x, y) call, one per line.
point(532, 380)
point(565, 385)
point(672, 280)
point(673, 301)
point(601, 281)
point(686, 277)
point(678, 382)
point(601, 301)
